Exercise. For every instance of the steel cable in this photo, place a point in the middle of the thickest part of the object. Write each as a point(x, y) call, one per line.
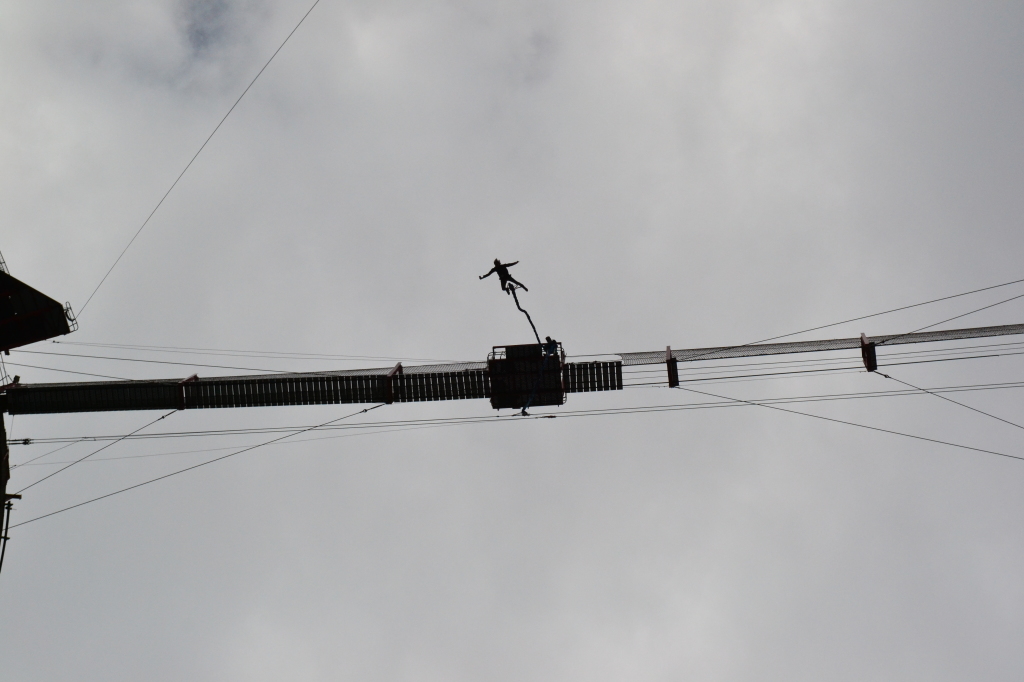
point(195, 466)
point(196, 155)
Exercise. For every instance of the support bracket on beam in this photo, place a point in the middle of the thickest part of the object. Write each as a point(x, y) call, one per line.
point(673, 368)
point(389, 384)
point(867, 353)
point(181, 394)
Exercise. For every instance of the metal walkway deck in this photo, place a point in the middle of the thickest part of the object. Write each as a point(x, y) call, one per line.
point(457, 381)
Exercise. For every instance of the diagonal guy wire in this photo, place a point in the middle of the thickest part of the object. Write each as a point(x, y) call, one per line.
point(884, 312)
point(50, 452)
point(950, 319)
point(862, 426)
point(937, 395)
point(196, 466)
point(159, 203)
point(95, 452)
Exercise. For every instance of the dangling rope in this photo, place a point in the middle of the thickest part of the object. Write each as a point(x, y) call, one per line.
point(512, 288)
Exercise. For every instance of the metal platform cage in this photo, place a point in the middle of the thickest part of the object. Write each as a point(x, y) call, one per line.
point(527, 351)
point(3, 265)
point(527, 375)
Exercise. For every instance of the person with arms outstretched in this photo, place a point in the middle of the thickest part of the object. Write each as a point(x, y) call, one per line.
point(504, 276)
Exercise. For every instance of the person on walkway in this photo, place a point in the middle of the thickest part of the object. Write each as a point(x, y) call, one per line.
point(504, 276)
point(550, 347)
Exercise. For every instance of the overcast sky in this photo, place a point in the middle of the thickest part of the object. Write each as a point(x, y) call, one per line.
point(689, 173)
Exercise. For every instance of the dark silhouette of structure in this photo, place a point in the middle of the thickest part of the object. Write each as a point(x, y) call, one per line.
point(28, 316)
point(504, 276)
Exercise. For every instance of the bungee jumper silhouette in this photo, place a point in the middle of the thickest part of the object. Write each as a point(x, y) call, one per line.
point(504, 276)
point(509, 285)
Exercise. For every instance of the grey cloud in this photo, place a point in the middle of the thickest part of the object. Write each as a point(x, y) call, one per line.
point(206, 23)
